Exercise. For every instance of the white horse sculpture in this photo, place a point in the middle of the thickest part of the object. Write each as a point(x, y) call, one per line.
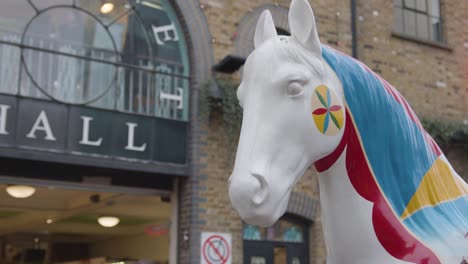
point(387, 193)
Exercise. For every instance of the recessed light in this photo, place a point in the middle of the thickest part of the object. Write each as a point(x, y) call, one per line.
point(20, 191)
point(107, 8)
point(108, 221)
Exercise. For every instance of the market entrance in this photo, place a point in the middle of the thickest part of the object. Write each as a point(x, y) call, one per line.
point(76, 224)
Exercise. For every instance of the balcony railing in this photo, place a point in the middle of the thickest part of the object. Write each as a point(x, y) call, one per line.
point(66, 72)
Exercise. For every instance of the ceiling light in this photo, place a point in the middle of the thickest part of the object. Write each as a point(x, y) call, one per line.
point(108, 221)
point(20, 191)
point(107, 8)
point(49, 221)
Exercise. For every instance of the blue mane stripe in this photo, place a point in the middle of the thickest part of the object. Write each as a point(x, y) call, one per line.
point(443, 227)
point(394, 144)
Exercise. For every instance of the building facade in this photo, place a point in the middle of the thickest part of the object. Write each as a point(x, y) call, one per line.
point(114, 132)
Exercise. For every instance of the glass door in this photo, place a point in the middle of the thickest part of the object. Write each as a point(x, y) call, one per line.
point(257, 254)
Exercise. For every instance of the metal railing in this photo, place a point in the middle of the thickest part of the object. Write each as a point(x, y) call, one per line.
point(69, 73)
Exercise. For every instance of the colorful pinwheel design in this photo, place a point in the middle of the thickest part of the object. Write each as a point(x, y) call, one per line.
point(326, 107)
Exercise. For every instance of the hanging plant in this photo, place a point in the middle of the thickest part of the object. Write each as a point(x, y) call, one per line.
point(220, 95)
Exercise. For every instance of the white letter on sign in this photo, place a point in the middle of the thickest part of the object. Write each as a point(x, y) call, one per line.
point(173, 97)
point(3, 119)
point(165, 30)
point(42, 123)
point(85, 137)
point(131, 137)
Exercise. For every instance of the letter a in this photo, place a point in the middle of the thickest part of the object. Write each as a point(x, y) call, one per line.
point(42, 123)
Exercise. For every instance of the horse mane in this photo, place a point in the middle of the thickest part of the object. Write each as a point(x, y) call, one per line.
point(389, 157)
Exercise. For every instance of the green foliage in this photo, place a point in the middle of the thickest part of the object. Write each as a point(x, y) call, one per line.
point(446, 134)
point(227, 103)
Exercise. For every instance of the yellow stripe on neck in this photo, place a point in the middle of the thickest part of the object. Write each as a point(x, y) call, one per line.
point(439, 185)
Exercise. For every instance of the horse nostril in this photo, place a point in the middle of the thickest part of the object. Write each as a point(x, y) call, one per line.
point(262, 193)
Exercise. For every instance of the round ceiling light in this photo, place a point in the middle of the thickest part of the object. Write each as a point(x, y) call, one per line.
point(108, 221)
point(107, 8)
point(20, 191)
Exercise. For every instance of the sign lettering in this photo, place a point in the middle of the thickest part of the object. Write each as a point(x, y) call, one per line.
point(3, 119)
point(85, 136)
point(38, 125)
point(131, 138)
point(42, 123)
point(174, 97)
point(165, 30)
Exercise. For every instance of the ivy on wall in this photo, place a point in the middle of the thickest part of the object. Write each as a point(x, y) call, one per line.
point(229, 105)
point(220, 95)
point(446, 134)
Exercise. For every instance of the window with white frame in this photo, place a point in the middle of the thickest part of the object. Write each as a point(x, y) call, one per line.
point(418, 18)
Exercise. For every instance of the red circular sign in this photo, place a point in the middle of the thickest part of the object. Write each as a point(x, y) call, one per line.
point(216, 250)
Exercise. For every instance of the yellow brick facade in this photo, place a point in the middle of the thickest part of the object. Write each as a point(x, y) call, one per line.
point(432, 78)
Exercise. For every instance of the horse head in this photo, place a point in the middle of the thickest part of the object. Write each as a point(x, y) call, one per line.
point(293, 115)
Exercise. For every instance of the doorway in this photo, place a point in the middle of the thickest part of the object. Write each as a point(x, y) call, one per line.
point(286, 242)
point(66, 225)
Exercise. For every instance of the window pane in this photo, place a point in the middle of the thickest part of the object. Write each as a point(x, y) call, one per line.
point(252, 232)
point(41, 4)
point(410, 22)
point(67, 78)
point(434, 8)
point(257, 260)
point(9, 68)
point(14, 16)
point(398, 20)
point(423, 26)
point(282, 230)
point(421, 5)
point(411, 3)
point(435, 29)
point(279, 255)
point(129, 56)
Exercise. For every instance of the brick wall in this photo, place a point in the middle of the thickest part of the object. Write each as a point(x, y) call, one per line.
point(432, 79)
point(215, 212)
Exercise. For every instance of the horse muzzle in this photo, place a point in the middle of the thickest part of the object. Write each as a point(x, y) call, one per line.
point(251, 197)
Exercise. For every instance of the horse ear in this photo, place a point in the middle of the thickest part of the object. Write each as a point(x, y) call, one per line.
point(302, 25)
point(265, 28)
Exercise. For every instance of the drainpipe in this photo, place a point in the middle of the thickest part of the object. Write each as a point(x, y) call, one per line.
point(354, 40)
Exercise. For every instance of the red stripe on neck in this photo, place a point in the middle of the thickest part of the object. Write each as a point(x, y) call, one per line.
point(326, 162)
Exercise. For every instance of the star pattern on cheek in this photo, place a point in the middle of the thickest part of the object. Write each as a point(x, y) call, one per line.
point(327, 113)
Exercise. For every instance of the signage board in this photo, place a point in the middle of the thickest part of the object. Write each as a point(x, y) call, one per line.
point(43, 126)
point(216, 248)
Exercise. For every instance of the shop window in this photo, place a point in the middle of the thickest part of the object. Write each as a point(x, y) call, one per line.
point(286, 242)
point(282, 230)
point(120, 55)
point(418, 18)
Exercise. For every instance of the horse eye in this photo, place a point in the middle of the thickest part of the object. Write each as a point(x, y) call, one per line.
point(294, 89)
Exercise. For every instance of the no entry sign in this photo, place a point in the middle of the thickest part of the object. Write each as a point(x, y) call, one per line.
point(216, 248)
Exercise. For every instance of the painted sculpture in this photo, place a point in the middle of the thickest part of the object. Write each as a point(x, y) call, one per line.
point(387, 192)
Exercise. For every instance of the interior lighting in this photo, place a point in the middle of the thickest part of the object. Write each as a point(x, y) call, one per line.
point(107, 8)
point(108, 221)
point(20, 191)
